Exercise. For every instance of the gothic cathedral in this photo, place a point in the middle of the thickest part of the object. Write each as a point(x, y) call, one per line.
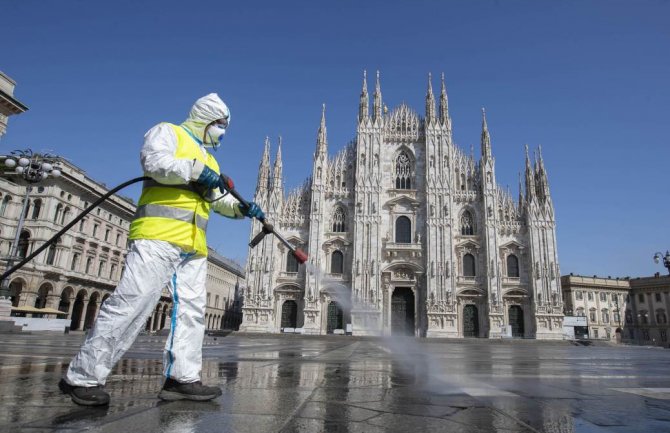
point(406, 235)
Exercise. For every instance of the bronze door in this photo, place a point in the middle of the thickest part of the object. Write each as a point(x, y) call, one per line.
point(289, 314)
point(516, 320)
point(402, 311)
point(335, 317)
point(470, 321)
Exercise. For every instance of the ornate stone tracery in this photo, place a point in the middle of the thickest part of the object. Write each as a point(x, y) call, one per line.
point(401, 167)
point(403, 124)
point(404, 172)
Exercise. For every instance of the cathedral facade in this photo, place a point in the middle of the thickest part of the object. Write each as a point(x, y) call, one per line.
point(406, 235)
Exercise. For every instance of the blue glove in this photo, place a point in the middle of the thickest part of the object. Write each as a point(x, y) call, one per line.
point(209, 178)
point(253, 211)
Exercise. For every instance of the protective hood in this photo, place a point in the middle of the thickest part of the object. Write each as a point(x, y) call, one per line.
point(205, 111)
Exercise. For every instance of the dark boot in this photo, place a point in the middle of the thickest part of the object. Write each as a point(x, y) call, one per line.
point(85, 396)
point(173, 390)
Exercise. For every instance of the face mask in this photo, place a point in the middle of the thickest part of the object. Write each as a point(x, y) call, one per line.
point(214, 136)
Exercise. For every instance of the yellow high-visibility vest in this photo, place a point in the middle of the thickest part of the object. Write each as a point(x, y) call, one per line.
point(175, 213)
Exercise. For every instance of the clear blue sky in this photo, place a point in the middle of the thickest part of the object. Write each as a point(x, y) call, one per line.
point(586, 80)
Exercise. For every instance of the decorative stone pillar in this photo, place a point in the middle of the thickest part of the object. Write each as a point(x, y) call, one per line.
point(312, 320)
point(82, 317)
point(27, 299)
point(70, 308)
point(52, 301)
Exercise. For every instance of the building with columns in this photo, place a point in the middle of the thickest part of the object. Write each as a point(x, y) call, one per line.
point(647, 316)
point(82, 269)
point(627, 310)
point(225, 283)
point(411, 230)
point(77, 273)
point(602, 301)
point(9, 105)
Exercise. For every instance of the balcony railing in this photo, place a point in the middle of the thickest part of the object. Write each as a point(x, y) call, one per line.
point(466, 279)
point(511, 280)
point(393, 248)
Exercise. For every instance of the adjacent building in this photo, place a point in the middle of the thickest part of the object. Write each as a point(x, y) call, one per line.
point(77, 273)
point(225, 282)
point(9, 105)
point(411, 231)
point(648, 313)
point(602, 301)
point(625, 310)
point(81, 269)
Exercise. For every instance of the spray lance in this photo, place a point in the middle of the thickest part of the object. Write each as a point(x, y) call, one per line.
point(229, 186)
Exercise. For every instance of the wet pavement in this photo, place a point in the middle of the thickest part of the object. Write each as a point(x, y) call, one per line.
point(347, 384)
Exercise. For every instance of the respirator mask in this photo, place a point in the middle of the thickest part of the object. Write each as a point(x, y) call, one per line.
point(215, 133)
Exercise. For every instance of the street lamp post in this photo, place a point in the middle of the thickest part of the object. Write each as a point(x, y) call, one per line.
point(666, 259)
point(33, 168)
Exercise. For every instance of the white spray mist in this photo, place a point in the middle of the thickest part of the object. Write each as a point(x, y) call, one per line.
point(407, 353)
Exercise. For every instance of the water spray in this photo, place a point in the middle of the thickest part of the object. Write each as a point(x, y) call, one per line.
point(267, 228)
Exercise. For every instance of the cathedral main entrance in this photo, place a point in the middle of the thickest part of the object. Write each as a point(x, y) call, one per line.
point(289, 314)
point(402, 311)
point(470, 321)
point(516, 320)
point(335, 317)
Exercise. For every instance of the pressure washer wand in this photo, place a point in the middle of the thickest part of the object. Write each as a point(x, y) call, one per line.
point(268, 228)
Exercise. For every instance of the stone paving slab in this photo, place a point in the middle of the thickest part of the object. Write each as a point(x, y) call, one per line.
point(346, 384)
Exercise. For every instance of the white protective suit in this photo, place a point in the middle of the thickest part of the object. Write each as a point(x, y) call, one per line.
point(151, 265)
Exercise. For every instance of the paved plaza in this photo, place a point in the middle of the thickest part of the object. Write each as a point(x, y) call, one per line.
point(347, 384)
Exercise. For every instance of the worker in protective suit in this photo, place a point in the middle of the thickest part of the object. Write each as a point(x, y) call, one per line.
point(168, 248)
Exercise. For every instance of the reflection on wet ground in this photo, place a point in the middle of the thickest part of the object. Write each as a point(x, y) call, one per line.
point(346, 384)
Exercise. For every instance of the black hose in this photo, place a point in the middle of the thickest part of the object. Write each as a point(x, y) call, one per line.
point(67, 227)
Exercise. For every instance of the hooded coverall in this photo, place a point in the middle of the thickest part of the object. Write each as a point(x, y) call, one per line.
point(167, 250)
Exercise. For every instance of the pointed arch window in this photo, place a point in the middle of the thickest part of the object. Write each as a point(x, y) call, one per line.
point(467, 224)
point(403, 230)
point(59, 210)
point(5, 202)
point(512, 266)
point(24, 244)
point(339, 224)
point(66, 216)
point(51, 255)
point(291, 263)
point(469, 265)
point(403, 171)
point(37, 206)
point(337, 262)
point(75, 262)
